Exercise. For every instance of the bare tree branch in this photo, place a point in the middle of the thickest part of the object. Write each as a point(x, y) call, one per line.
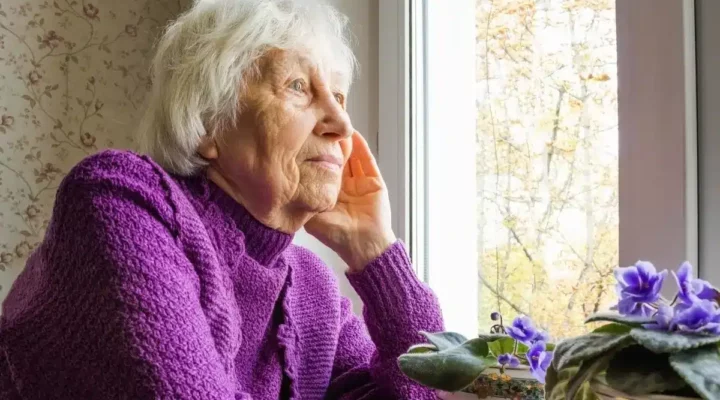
point(556, 127)
point(499, 295)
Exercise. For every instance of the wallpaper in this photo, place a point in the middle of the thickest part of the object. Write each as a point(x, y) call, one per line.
point(73, 77)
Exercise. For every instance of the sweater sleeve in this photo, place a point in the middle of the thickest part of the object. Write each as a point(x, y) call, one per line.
point(397, 306)
point(108, 307)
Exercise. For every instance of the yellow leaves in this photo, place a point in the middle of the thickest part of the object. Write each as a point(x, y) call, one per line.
point(500, 33)
point(546, 123)
point(594, 5)
point(514, 7)
point(510, 222)
point(566, 85)
point(576, 105)
point(603, 77)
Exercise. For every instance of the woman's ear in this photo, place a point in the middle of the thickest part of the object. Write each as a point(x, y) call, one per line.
point(208, 148)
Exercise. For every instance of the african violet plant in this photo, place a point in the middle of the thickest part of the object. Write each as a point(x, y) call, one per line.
point(451, 362)
point(650, 346)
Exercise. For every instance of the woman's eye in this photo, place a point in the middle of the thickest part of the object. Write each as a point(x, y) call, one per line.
point(298, 85)
point(339, 97)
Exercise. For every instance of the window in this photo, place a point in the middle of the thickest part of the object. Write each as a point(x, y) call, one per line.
point(547, 159)
point(534, 145)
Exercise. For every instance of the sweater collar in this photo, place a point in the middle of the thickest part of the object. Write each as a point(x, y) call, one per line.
point(262, 243)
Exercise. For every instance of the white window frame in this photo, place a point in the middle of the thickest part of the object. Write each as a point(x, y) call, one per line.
point(658, 139)
point(401, 109)
point(394, 109)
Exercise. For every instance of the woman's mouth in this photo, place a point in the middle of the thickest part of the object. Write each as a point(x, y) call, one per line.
point(327, 161)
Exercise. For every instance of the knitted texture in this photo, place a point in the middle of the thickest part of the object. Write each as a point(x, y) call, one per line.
point(152, 286)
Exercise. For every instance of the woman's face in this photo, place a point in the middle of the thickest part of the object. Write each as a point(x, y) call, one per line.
point(293, 137)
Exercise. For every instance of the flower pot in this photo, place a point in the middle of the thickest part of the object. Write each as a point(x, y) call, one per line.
point(605, 392)
point(515, 383)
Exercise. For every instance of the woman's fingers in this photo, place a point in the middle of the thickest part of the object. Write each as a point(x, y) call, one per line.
point(361, 151)
point(357, 167)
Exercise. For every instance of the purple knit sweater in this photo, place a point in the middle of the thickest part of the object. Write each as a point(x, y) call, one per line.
point(152, 286)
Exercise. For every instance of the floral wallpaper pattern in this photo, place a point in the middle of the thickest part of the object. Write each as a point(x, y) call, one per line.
point(73, 77)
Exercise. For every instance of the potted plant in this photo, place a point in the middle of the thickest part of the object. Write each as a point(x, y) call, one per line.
point(508, 363)
point(650, 348)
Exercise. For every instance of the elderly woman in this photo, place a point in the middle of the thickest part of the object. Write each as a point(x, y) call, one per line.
point(173, 276)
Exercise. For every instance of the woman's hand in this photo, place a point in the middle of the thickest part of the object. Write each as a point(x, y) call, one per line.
point(358, 228)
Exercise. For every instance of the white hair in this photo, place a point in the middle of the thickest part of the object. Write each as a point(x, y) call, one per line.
point(204, 58)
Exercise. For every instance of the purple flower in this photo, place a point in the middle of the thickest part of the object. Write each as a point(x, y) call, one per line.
point(637, 286)
point(627, 306)
point(509, 360)
point(692, 289)
point(663, 319)
point(541, 336)
point(522, 329)
point(539, 360)
point(703, 317)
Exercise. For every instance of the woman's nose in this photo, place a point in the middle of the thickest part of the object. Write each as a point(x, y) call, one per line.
point(333, 121)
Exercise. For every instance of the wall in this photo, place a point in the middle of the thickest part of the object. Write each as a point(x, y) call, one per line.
point(73, 76)
point(72, 82)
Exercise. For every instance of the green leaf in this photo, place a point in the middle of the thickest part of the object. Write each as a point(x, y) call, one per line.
point(621, 319)
point(450, 370)
point(552, 379)
point(422, 348)
point(444, 340)
point(573, 351)
point(502, 346)
point(588, 369)
point(491, 337)
point(636, 370)
point(614, 328)
point(701, 369)
point(670, 342)
point(556, 385)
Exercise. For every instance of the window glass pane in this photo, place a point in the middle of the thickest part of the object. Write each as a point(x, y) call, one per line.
point(547, 160)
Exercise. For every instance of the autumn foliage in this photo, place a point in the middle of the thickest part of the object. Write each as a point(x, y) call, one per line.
point(547, 159)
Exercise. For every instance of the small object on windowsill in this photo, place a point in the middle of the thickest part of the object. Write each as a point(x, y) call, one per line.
point(651, 348)
point(508, 363)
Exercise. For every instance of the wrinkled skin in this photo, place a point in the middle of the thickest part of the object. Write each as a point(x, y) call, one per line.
point(294, 159)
